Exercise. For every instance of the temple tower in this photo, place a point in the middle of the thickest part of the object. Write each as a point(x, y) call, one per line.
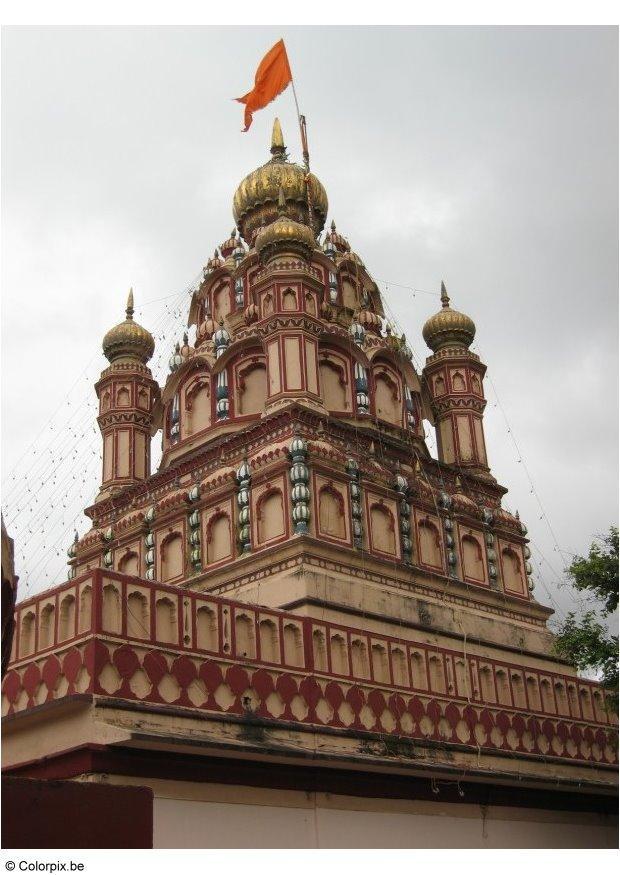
point(127, 394)
point(454, 375)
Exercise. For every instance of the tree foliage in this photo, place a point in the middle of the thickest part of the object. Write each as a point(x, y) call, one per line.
point(585, 641)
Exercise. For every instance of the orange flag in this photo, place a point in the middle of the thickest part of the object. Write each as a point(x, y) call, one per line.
point(272, 77)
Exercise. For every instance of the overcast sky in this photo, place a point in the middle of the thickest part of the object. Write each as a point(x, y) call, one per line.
point(483, 156)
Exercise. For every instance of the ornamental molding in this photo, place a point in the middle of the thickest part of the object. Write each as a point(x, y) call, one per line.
point(131, 416)
point(458, 402)
point(305, 322)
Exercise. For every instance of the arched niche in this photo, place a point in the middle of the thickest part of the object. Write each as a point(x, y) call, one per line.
point(251, 385)
point(289, 300)
point(399, 667)
point(458, 382)
point(111, 618)
point(293, 645)
point(171, 557)
point(473, 560)
point(269, 641)
point(270, 515)
point(197, 404)
point(359, 658)
point(383, 531)
point(123, 397)
point(138, 623)
point(388, 400)
point(206, 628)
point(26, 634)
point(436, 673)
point(143, 398)
point(86, 607)
point(245, 641)
point(166, 620)
point(319, 650)
point(334, 372)
point(129, 563)
point(338, 648)
point(419, 677)
point(221, 302)
point(512, 570)
point(218, 538)
point(348, 291)
point(429, 544)
point(380, 667)
point(268, 305)
point(66, 625)
point(310, 304)
point(332, 512)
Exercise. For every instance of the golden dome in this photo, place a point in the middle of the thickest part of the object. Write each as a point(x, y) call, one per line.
point(284, 234)
point(256, 199)
point(128, 338)
point(448, 326)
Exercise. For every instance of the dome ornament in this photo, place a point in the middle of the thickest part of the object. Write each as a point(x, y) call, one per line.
point(445, 300)
point(128, 338)
point(448, 327)
point(278, 149)
point(284, 235)
point(255, 203)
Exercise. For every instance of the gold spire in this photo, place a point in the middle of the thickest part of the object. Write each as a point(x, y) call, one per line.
point(129, 310)
point(445, 300)
point(278, 148)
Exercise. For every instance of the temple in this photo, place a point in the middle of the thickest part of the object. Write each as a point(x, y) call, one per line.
point(303, 630)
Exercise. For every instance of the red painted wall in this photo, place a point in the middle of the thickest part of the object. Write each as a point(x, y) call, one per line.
point(66, 814)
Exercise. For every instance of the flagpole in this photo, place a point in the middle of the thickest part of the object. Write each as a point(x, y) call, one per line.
point(304, 144)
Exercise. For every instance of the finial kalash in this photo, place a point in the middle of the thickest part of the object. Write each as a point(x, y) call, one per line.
point(128, 338)
point(448, 327)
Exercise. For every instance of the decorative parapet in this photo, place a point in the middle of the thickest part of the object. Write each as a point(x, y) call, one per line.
point(111, 635)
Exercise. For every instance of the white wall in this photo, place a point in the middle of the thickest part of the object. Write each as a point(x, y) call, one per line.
point(251, 818)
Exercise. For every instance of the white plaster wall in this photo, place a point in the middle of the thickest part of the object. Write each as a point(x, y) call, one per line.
point(323, 821)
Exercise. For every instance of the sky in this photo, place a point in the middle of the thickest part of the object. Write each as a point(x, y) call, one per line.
point(483, 156)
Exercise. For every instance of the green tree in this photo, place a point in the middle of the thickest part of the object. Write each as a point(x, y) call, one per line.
point(585, 640)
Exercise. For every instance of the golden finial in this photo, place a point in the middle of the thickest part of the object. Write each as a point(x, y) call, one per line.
point(129, 310)
point(277, 140)
point(445, 300)
point(333, 225)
